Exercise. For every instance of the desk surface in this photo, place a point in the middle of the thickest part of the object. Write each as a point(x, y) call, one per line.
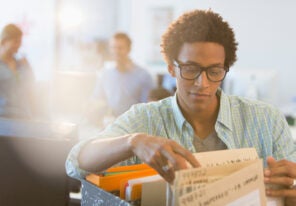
point(37, 129)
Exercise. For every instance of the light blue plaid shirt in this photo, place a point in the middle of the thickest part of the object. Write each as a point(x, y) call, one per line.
point(241, 123)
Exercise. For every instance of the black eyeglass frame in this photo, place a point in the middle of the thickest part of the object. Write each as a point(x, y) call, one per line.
point(202, 69)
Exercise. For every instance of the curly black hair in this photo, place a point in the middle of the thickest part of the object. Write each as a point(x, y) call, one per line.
point(199, 26)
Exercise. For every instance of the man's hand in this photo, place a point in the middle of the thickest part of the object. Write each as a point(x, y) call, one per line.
point(282, 173)
point(164, 155)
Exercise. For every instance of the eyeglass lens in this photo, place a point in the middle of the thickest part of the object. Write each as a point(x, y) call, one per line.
point(214, 73)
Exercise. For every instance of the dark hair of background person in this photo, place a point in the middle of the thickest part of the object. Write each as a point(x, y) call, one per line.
point(11, 31)
point(124, 36)
point(199, 26)
point(158, 93)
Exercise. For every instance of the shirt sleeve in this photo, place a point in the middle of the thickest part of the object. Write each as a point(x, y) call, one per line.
point(130, 122)
point(284, 146)
point(72, 165)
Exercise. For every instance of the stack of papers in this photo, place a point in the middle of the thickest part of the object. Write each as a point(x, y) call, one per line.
point(226, 177)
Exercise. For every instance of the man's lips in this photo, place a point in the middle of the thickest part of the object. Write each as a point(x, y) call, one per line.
point(199, 94)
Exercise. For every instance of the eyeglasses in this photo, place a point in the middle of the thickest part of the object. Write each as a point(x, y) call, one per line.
point(191, 71)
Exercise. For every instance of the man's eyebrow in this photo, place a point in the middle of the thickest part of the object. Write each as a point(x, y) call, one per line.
point(195, 63)
point(188, 62)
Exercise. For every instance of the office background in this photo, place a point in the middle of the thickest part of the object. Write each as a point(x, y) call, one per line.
point(62, 35)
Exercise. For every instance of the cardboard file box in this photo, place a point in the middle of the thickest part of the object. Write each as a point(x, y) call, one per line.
point(93, 195)
point(139, 182)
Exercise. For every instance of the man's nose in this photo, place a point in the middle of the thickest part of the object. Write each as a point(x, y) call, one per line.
point(202, 80)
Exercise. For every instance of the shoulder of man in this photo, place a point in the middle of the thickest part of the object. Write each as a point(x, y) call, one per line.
point(246, 104)
point(160, 107)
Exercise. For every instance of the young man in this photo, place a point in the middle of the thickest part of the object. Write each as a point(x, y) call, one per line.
point(199, 48)
point(126, 83)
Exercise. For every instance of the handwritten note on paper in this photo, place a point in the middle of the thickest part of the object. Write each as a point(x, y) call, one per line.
point(215, 166)
point(224, 157)
point(229, 189)
point(197, 178)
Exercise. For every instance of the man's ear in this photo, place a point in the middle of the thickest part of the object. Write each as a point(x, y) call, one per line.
point(171, 70)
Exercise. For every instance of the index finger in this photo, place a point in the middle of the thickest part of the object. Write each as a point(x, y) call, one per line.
point(186, 154)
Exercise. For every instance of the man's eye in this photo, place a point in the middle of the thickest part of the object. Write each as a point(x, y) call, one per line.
point(215, 71)
point(191, 71)
point(190, 68)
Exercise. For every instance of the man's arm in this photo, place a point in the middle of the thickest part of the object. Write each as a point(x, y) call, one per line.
point(281, 169)
point(100, 154)
point(162, 154)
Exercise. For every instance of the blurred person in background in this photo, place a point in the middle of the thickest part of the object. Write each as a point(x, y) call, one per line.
point(158, 93)
point(123, 84)
point(16, 77)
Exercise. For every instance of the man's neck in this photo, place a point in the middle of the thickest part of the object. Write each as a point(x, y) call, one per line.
point(124, 65)
point(203, 120)
point(9, 60)
point(205, 116)
point(6, 57)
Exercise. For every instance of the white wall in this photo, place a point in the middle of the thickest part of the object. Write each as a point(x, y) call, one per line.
point(77, 43)
point(266, 36)
point(264, 29)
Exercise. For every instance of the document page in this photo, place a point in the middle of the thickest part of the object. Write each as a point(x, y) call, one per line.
point(229, 188)
point(222, 157)
point(226, 177)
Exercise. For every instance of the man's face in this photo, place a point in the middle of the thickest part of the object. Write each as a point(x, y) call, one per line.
point(198, 94)
point(119, 49)
point(12, 45)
